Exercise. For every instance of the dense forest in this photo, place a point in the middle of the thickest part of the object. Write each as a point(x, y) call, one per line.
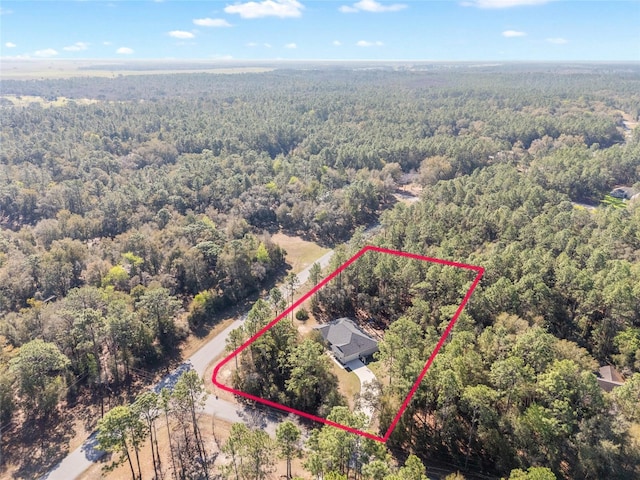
point(130, 220)
point(560, 297)
point(282, 367)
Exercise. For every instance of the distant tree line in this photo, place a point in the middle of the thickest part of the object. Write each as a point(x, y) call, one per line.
point(128, 222)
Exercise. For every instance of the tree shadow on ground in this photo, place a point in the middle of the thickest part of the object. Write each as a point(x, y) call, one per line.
point(241, 306)
point(39, 445)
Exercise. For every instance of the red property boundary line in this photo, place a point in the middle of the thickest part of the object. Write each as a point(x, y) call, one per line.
point(369, 248)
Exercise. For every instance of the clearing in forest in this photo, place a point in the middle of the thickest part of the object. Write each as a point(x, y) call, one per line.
point(369, 325)
point(300, 253)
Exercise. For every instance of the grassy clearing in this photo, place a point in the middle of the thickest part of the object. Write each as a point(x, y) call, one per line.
point(408, 194)
point(348, 383)
point(413, 188)
point(300, 253)
point(629, 122)
point(613, 202)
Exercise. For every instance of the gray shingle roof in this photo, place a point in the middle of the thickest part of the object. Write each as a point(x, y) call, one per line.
point(609, 378)
point(344, 335)
point(623, 192)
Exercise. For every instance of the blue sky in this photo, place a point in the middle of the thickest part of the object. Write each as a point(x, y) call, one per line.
point(454, 30)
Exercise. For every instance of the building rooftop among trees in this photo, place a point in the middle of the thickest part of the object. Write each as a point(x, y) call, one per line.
point(347, 341)
point(609, 378)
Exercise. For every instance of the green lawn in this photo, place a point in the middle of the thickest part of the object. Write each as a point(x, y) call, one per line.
point(300, 253)
point(348, 382)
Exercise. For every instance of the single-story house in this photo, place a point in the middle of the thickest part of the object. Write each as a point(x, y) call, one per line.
point(609, 378)
point(623, 193)
point(347, 341)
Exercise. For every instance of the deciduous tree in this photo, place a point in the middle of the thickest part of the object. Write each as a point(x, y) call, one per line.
point(39, 369)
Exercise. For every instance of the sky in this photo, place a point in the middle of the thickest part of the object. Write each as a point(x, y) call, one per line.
point(443, 30)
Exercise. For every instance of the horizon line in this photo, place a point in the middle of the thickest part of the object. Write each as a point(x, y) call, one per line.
point(297, 60)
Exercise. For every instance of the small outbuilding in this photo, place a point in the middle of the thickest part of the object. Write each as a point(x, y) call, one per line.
point(346, 341)
point(623, 193)
point(609, 378)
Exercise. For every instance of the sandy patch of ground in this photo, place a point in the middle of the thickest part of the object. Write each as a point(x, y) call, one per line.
point(408, 194)
point(224, 376)
point(629, 124)
point(212, 429)
point(634, 430)
point(414, 189)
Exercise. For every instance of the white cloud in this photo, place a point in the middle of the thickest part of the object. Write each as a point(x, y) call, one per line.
point(107, 43)
point(10, 45)
point(211, 22)
point(337, 43)
point(181, 34)
point(124, 51)
point(513, 33)
point(365, 43)
point(267, 8)
point(493, 4)
point(4, 11)
point(76, 47)
point(291, 45)
point(266, 45)
point(372, 6)
point(47, 52)
point(252, 44)
point(558, 41)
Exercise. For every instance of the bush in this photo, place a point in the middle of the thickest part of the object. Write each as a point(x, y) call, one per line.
point(302, 315)
point(203, 306)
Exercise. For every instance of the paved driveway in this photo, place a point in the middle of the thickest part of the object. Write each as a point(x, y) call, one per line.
point(367, 377)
